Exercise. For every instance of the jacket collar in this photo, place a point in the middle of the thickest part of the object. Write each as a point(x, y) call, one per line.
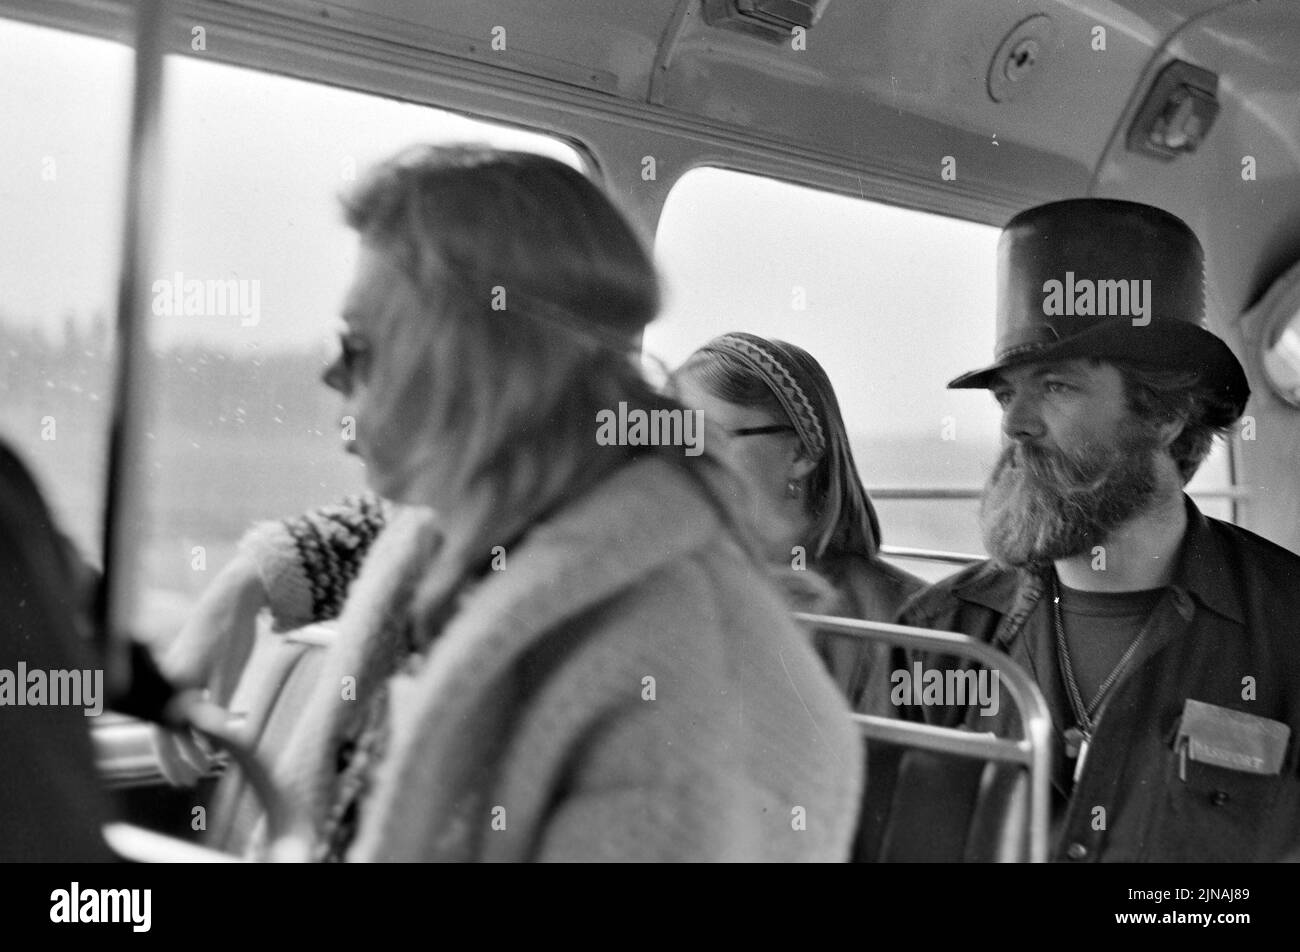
point(1200, 572)
point(645, 515)
point(1203, 567)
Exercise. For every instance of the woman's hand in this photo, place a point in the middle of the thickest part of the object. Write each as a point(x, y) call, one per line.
point(213, 647)
point(210, 653)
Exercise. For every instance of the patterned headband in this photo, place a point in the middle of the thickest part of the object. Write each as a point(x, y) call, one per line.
point(782, 383)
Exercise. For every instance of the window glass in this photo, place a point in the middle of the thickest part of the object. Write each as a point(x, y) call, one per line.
point(245, 429)
point(240, 427)
point(892, 302)
point(64, 118)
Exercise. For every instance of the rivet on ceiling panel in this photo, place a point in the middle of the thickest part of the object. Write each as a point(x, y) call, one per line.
point(1018, 63)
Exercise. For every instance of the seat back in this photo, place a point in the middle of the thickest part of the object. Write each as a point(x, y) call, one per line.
point(281, 673)
point(941, 808)
point(937, 794)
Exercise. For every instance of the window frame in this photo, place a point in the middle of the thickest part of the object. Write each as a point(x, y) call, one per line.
point(1234, 493)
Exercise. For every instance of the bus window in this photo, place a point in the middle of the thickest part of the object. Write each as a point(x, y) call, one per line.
point(245, 430)
point(65, 115)
point(892, 302)
point(252, 261)
point(1213, 483)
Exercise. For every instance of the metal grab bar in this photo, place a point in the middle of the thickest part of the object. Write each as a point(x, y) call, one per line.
point(930, 555)
point(139, 845)
point(126, 752)
point(319, 635)
point(974, 492)
point(126, 755)
point(1033, 751)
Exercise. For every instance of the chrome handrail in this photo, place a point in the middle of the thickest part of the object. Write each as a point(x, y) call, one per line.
point(318, 635)
point(136, 844)
point(974, 492)
point(126, 752)
point(1033, 751)
point(127, 755)
point(929, 555)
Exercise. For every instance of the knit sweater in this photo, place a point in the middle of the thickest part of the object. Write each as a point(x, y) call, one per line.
point(307, 563)
point(628, 687)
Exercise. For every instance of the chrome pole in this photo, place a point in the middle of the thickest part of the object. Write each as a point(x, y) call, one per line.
point(123, 512)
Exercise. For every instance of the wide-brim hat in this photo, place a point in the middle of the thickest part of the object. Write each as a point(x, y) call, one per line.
point(1115, 280)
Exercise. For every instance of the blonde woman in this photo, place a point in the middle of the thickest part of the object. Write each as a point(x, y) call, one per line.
point(578, 657)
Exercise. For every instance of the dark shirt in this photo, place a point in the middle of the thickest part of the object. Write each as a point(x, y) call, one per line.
point(1225, 632)
point(1099, 628)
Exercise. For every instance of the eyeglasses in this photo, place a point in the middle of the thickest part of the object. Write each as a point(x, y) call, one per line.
point(760, 430)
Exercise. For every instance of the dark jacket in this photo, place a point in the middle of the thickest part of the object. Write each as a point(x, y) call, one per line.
point(52, 807)
point(1232, 613)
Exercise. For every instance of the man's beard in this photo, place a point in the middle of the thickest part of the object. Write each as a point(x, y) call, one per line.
point(1044, 504)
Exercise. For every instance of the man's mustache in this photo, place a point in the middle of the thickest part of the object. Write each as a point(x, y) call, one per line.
point(1049, 467)
point(1041, 464)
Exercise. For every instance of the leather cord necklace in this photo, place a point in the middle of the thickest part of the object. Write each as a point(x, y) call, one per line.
point(1078, 737)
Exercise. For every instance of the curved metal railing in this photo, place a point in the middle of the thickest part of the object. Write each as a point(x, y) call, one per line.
point(1032, 752)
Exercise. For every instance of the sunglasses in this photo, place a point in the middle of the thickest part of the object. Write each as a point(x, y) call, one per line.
point(352, 352)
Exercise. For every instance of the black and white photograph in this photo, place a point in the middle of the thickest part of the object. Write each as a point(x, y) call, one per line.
point(651, 431)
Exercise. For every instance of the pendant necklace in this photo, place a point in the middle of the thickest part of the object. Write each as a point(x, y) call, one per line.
point(1078, 737)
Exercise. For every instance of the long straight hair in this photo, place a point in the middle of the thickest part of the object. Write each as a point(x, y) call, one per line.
point(532, 290)
point(844, 521)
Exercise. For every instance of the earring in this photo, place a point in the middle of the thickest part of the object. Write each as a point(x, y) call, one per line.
point(793, 489)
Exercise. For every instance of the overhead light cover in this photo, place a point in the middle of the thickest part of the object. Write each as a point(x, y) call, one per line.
point(767, 18)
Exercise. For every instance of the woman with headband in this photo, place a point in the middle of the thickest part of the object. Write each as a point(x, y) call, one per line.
point(776, 420)
point(556, 649)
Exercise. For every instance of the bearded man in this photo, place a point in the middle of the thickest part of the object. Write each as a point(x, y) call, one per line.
point(1166, 643)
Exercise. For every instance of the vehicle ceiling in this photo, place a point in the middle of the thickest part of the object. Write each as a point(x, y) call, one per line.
point(887, 88)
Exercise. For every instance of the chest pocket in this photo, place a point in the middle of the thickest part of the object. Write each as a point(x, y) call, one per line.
point(1211, 813)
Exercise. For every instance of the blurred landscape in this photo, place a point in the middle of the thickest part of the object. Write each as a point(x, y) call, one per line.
point(232, 439)
point(235, 438)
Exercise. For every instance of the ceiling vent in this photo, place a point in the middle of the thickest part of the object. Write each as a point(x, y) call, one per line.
point(770, 19)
